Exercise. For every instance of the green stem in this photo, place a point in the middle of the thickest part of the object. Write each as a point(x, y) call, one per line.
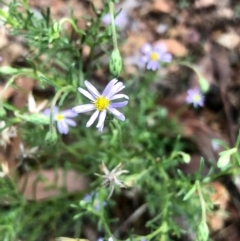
point(202, 202)
point(114, 34)
point(103, 219)
point(202, 82)
point(115, 122)
point(10, 81)
point(73, 25)
point(106, 227)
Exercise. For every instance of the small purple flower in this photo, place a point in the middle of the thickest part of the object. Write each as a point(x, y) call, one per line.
point(94, 198)
point(102, 103)
point(153, 55)
point(120, 20)
point(195, 97)
point(62, 119)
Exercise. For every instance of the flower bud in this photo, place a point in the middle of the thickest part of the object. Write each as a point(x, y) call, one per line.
point(202, 232)
point(38, 119)
point(51, 138)
point(115, 65)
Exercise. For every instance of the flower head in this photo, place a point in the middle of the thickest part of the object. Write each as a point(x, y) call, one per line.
point(6, 133)
point(62, 119)
point(102, 103)
point(153, 55)
point(195, 97)
point(120, 20)
point(110, 178)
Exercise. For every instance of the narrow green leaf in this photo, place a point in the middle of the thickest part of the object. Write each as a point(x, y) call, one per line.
point(190, 192)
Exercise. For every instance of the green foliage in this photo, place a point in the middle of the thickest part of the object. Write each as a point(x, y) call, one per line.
point(147, 143)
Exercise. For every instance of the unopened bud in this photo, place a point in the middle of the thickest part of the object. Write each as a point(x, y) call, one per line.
point(202, 232)
point(51, 138)
point(38, 119)
point(115, 65)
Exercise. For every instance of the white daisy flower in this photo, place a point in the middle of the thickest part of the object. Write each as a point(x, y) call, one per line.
point(102, 103)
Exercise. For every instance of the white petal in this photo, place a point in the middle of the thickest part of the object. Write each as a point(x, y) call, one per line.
point(121, 117)
point(93, 118)
point(31, 103)
point(87, 94)
point(146, 48)
point(116, 113)
point(109, 87)
point(92, 89)
point(115, 89)
point(41, 106)
point(119, 104)
point(100, 129)
point(83, 108)
point(101, 119)
point(119, 96)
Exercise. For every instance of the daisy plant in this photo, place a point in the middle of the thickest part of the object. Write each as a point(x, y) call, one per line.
point(102, 103)
point(153, 55)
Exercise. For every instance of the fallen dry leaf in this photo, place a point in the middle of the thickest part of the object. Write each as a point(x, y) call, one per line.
point(161, 6)
point(133, 44)
point(220, 197)
point(204, 3)
point(49, 183)
point(174, 47)
point(228, 40)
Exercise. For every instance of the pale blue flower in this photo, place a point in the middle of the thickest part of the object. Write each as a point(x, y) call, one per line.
point(153, 55)
point(62, 118)
point(120, 20)
point(195, 97)
point(102, 103)
point(94, 199)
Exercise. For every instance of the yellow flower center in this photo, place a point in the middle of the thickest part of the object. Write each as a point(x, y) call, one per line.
point(154, 56)
point(196, 97)
point(101, 103)
point(59, 117)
